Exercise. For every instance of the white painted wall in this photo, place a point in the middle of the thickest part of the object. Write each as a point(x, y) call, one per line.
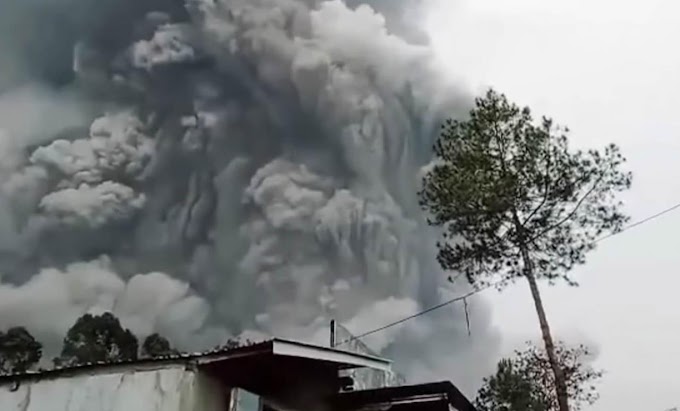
point(168, 389)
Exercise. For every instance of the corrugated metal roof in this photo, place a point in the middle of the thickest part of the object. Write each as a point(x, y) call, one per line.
point(279, 347)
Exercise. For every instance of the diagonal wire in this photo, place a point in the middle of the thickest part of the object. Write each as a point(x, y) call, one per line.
point(643, 221)
point(471, 293)
point(403, 320)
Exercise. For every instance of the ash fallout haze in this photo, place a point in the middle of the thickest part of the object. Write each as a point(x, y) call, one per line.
point(211, 169)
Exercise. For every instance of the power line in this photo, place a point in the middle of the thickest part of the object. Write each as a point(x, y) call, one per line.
point(643, 221)
point(471, 293)
point(436, 307)
point(628, 227)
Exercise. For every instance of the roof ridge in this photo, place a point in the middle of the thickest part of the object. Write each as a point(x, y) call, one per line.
point(218, 350)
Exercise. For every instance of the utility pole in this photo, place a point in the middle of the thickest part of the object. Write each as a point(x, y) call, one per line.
point(332, 333)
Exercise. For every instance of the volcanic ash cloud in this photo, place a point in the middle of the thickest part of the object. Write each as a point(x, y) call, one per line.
point(246, 167)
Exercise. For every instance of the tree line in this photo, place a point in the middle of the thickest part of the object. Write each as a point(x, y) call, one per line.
point(92, 338)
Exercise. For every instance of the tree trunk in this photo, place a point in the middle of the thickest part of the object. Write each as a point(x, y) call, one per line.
point(560, 383)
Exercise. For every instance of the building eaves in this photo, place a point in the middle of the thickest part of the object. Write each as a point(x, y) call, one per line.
point(373, 398)
point(276, 347)
point(288, 348)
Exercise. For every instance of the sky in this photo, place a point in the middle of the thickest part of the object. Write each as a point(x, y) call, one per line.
point(608, 70)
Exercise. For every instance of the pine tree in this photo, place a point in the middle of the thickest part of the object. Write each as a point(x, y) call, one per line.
point(515, 202)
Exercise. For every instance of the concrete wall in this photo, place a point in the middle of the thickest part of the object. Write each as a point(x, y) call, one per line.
point(167, 389)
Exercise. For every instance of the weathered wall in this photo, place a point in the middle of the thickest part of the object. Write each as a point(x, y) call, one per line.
point(168, 389)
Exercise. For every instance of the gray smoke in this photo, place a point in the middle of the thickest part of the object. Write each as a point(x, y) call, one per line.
point(219, 168)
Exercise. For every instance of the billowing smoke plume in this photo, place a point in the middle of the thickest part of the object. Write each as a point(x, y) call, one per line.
point(215, 168)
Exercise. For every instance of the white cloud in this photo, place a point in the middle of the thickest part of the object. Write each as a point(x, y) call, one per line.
point(169, 44)
point(91, 206)
point(51, 301)
point(117, 146)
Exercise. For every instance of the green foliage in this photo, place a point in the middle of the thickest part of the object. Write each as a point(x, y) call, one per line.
point(501, 183)
point(526, 381)
point(97, 338)
point(157, 346)
point(509, 390)
point(19, 351)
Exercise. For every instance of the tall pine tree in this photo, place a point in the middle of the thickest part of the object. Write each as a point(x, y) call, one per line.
point(515, 202)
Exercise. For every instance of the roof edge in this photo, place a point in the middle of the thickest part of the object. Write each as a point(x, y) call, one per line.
point(276, 346)
point(388, 394)
point(348, 358)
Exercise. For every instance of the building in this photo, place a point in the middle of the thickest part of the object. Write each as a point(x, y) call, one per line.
point(275, 375)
